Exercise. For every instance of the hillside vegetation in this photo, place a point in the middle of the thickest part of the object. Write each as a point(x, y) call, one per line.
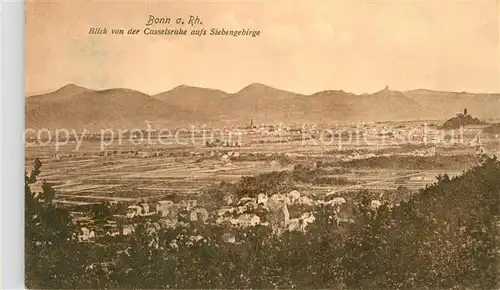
point(444, 237)
point(461, 121)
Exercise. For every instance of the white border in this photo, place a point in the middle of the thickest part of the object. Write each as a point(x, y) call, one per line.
point(12, 40)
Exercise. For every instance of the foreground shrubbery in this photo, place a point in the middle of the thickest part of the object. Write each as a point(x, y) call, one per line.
point(446, 236)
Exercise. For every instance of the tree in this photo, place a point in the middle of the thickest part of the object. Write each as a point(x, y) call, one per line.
point(50, 251)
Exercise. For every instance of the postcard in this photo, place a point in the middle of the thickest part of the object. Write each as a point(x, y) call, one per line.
point(257, 145)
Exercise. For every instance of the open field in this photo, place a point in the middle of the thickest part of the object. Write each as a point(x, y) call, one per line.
point(127, 170)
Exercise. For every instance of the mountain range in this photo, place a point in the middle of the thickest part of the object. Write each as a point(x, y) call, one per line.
point(75, 107)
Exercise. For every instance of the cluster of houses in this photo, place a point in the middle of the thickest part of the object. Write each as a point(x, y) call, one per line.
point(263, 210)
point(274, 210)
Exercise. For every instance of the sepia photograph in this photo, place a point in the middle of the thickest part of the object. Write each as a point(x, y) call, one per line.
point(262, 144)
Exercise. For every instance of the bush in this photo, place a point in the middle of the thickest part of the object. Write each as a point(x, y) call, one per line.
point(446, 236)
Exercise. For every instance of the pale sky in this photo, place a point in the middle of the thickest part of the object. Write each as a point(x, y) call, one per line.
point(356, 46)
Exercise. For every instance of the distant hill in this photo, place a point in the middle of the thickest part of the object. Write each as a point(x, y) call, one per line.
point(267, 104)
point(73, 107)
point(77, 106)
point(451, 103)
point(255, 101)
point(63, 93)
point(194, 99)
point(261, 103)
point(392, 105)
point(461, 120)
point(260, 93)
point(326, 106)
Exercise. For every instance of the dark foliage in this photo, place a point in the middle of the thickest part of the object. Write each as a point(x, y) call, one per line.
point(446, 236)
point(461, 120)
